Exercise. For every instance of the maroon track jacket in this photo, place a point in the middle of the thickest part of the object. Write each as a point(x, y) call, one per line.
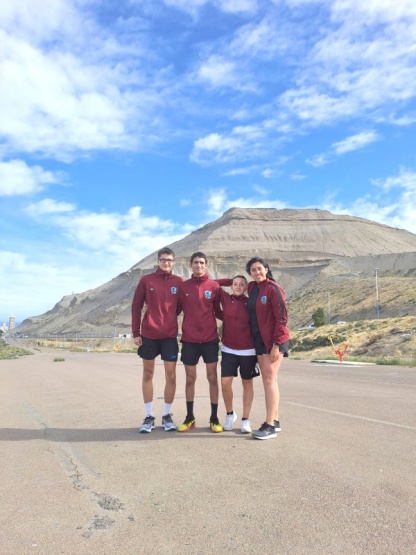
point(158, 292)
point(199, 299)
point(271, 312)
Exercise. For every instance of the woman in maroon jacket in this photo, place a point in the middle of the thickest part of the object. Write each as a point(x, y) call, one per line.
point(237, 350)
point(268, 319)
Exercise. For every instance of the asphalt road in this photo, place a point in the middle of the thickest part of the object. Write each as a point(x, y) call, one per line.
point(78, 478)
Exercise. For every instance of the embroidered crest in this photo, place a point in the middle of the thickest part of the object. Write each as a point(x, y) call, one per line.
point(207, 294)
point(264, 300)
point(173, 290)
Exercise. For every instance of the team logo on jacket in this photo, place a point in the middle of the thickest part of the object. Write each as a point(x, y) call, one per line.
point(207, 294)
point(264, 300)
point(173, 290)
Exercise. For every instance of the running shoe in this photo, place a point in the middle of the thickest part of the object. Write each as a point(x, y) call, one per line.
point(277, 427)
point(229, 421)
point(148, 424)
point(266, 431)
point(187, 424)
point(246, 426)
point(167, 423)
point(215, 425)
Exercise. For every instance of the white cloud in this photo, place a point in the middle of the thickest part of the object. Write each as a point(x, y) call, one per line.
point(215, 148)
point(399, 212)
point(17, 178)
point(218, 72)
point(318, 160)
point(350, 144)
point(84, 250)
point(405, 180)
point(297, 177)
point(267, 173)
point(218, 202)
point(260, 190)
point(355, 142)
point(69, 86)
point(228, 6)
point(364, 64)
point(48, 206)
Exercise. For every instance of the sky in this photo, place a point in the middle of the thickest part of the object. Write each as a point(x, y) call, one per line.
point(126, 125)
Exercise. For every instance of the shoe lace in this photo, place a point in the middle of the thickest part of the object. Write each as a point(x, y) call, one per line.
point(149, 419)
point(189, 419)
point(263, 427)
point(167, 418)
point(214, 420)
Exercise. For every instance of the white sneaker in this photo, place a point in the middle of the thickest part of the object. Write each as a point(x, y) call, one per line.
point(246, 426)
point(229, 421)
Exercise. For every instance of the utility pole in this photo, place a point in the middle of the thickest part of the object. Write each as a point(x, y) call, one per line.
point(377, 303)
point(329, 307)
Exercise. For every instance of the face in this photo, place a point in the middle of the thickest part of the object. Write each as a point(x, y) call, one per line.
point(166, 262)
point(238, 287)
point(258, 272)
point(199, 266)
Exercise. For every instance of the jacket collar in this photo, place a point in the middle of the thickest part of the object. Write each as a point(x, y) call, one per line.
point(161, 273)
point(202, 278)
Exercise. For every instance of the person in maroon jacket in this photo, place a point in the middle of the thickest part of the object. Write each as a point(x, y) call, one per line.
point(199, 299)
point(268, 318)
point(237, 351)
point(156, 334)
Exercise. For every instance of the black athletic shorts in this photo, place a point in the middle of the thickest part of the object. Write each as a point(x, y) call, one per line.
point(261, 347)
point(166, 348)
point(191, 352)
point(230, 363)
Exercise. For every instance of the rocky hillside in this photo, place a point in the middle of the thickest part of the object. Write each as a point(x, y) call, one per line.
point(320, 258)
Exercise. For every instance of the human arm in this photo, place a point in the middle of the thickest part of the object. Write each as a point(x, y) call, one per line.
point(224, 282)
point(279, 307)
point(136, 310)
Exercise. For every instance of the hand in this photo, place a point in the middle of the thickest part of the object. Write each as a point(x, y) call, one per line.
point(138, 341)
point(274, 353)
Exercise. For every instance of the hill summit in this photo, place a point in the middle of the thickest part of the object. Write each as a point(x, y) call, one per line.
point(304, 247)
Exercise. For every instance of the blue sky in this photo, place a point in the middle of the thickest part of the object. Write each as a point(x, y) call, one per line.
point(126, 125)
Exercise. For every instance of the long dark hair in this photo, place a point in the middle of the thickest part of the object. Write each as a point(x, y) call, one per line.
point(263, 263)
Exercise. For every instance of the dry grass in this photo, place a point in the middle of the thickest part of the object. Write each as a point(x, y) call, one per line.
point(387, 338)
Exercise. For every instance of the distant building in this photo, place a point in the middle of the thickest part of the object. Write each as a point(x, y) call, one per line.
point(12, 322)
point(4, 327)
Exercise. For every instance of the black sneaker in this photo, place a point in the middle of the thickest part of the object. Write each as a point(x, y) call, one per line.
point(266, 431)
point(277, 427)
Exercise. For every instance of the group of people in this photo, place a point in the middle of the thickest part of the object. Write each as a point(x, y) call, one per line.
point(254, 340)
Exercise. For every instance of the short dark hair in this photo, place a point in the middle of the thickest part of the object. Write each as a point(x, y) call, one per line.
point(199, 254)
point(262, 262)
point(165, 250)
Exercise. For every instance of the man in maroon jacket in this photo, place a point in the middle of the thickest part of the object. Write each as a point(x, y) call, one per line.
point(156, 334)
point(199, 299)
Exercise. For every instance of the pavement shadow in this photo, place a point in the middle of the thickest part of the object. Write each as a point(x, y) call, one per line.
point(74, 435)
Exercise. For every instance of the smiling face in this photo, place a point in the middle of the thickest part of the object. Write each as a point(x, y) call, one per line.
point(199, 266)
point(258, 272)
point(166, 262)
point(239, 286)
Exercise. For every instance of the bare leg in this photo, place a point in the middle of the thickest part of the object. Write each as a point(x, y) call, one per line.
point(147, 380)
point(227, 392)
point(190, 382)
point(213, 382)
point(248, 396)
point(269, 372)
point(170, 383)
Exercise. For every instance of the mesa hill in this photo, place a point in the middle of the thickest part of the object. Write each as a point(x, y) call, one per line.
point(310, 252)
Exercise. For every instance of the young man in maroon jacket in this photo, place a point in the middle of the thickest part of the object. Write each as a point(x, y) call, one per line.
point(199, 299)
point(156, 334)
